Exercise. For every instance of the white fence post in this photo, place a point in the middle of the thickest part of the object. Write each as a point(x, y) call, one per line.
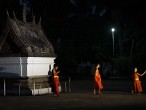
point(65, 86)
point(4, 87)
point(69, 85)
point(34, 88)
point(19, 89)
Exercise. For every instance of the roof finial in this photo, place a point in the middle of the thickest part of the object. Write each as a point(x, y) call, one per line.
point(24, 12)
point(34, 19)
point(7, 13)
point(14, 15)
point(40, 21)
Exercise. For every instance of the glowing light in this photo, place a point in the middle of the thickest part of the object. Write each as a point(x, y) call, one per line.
point(113, 29)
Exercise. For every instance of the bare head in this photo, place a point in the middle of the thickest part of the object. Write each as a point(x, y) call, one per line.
point(98, 66)
point(135, 70)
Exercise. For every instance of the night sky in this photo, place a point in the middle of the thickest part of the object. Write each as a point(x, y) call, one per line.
point(80, 30)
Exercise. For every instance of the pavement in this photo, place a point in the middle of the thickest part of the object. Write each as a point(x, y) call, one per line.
point(79, 95)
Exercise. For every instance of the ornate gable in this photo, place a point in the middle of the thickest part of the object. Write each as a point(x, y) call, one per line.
point(25, 38)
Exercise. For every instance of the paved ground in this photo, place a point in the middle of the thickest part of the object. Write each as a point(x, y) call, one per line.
point(116, 96)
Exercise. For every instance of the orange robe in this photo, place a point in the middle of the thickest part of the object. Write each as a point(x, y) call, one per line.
point(98, 82)
point(56, 83)
point(137, 83)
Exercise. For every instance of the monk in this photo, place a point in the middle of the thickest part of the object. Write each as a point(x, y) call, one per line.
point(137, 82)
point(55, 81)
point(97, 80)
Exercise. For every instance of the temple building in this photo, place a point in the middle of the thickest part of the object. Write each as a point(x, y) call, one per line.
point(26, 56)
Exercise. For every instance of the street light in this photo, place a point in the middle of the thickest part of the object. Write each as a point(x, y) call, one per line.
point(113, 30)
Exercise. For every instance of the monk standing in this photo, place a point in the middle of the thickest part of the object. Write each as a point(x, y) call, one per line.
point(55, 81)
point(97, 80)
point(137, 82)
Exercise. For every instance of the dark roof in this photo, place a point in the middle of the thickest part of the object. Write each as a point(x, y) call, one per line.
point(28, 37)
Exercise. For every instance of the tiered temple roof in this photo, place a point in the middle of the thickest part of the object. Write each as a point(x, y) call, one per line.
point(25, 38)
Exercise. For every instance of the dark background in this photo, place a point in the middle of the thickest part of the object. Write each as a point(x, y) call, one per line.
point(80, 31)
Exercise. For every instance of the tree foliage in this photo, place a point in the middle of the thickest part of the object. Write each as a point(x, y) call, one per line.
point(80, 33)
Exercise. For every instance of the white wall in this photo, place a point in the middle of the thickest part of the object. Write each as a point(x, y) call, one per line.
point(39, 65)
point(25, 66)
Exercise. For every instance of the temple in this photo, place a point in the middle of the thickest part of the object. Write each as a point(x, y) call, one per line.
point(26, 56)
